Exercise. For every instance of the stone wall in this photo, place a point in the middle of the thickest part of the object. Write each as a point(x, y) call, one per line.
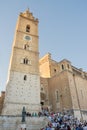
point(44, 90)
point(2, 100)
point(44, 66)
point(21, 93)
point(59, 92)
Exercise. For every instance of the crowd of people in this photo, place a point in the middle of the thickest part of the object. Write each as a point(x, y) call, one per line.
point(62, 121)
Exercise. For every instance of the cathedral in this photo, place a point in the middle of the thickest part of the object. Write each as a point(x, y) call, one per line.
point(34, 83)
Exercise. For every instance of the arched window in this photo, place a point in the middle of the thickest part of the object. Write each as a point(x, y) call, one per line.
point(26, 47)
point(25, 61)
point(62, 67)
point(68, 66)
point(55, 70)
point(25, 77)
point(28, 28)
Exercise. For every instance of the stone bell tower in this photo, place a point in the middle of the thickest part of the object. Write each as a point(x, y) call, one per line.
point(23, 85)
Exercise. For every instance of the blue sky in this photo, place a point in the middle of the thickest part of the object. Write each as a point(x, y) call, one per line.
point(62, 30)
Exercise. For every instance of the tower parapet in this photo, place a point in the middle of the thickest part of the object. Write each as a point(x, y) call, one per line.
point(29, 15)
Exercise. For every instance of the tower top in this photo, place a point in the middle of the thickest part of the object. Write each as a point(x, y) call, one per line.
point(29, 15)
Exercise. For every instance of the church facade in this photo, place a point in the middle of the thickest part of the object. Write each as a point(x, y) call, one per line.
point(35, 83)
point(64, 86)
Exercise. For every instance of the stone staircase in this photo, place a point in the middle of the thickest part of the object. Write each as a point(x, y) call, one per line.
point(14, 123)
